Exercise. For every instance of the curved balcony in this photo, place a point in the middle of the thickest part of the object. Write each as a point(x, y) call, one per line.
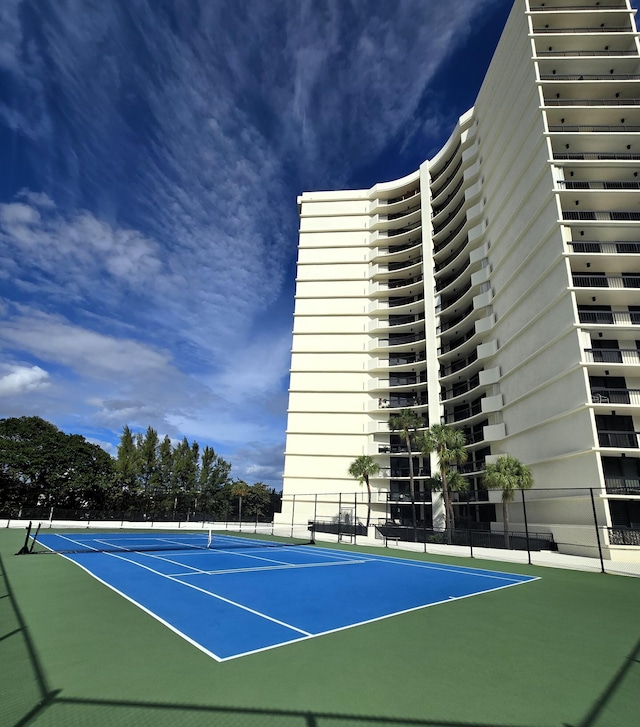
point(447, 325)
point(465, 412)
point(457, 366)
point(441, 224)
point(444, 281)
point(436, 175)
point(454, 299)
point(460, 389)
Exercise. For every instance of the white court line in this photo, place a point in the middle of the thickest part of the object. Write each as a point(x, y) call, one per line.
point(287, 566)
point(209, 593)
point(458, 570)
point(377, 618)
point(202, 570)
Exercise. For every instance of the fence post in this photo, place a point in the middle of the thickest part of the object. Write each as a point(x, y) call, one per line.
point(595, 523)
point(469, 533)
point(355, 516)
point(339, 513)
point(526, 526)
point(293, 513)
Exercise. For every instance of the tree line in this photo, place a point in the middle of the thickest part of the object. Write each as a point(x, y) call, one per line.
point(41, 466)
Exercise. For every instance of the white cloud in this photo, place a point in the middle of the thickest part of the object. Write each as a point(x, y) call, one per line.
point(22, 379)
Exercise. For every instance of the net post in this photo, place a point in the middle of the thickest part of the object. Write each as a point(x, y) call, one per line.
point(35, 537)
point(339, 514)
point(25, 548)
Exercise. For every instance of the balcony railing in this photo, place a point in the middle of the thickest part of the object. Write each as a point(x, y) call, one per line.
point(595, 128)
point(592, 101)
point(620, 440)
point(404, 264)
point(403, 213)
point(443, 282)
point(460, 389)
point(628, 356)
point(609, 318)
point(448, 324)
point(452, 301)
point(606, 248)
point(624, 536)
point(458, 365)
point(463, 413)
point(597, 184)
point(402, 197)
point(402, 282)
point(599, 29)
point(606, 281)
point(450, 196)
point(579, 53)
point(450, 236)
point(601, 215)
point(402, 230)
point(595, 156)
point(622, 486)
point(439, 266)
point(615, 396)
point(590, 77)
point(469, 467)
point(456, 343)
point(441, 225)
point(437, 175)
point(556, 8)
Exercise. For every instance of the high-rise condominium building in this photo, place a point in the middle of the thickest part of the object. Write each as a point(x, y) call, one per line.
point(496, 289)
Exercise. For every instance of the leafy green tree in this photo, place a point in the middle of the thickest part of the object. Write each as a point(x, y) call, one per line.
point(148, 462)
point(258, 501)
point(127, 468)
point(213, 475)
point(162, 498)
point(184, 475)
point(507, 474)
point(448, 444)
point(407, 422)
point(41, 465)
point(361, 469)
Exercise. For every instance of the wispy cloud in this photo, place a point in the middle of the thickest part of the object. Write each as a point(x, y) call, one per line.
point(147, 246)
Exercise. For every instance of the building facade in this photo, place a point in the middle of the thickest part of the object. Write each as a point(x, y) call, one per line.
point(496, 289)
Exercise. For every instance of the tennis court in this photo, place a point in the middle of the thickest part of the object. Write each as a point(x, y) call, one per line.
point(231, 596)
point(560, 650)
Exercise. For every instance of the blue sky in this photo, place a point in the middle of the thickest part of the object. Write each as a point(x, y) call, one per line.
point(151, 155)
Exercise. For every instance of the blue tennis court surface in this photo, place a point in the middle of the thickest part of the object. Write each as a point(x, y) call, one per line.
point(237, 598)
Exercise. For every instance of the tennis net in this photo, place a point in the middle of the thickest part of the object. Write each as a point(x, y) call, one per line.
point(144, 541)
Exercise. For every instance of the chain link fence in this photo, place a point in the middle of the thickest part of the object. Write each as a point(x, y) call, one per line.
point(567, 527)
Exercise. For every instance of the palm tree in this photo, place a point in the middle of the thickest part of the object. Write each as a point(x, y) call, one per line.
point(507, 474)
point(239, 489)
point(407, 421)
point(448, 444)
point(361, 469)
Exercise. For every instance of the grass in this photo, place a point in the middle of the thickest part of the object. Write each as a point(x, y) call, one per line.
point(563, 650)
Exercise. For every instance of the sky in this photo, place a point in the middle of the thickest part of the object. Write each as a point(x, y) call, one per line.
point(151, 153)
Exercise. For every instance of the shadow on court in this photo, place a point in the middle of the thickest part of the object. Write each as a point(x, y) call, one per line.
point(26, 699)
